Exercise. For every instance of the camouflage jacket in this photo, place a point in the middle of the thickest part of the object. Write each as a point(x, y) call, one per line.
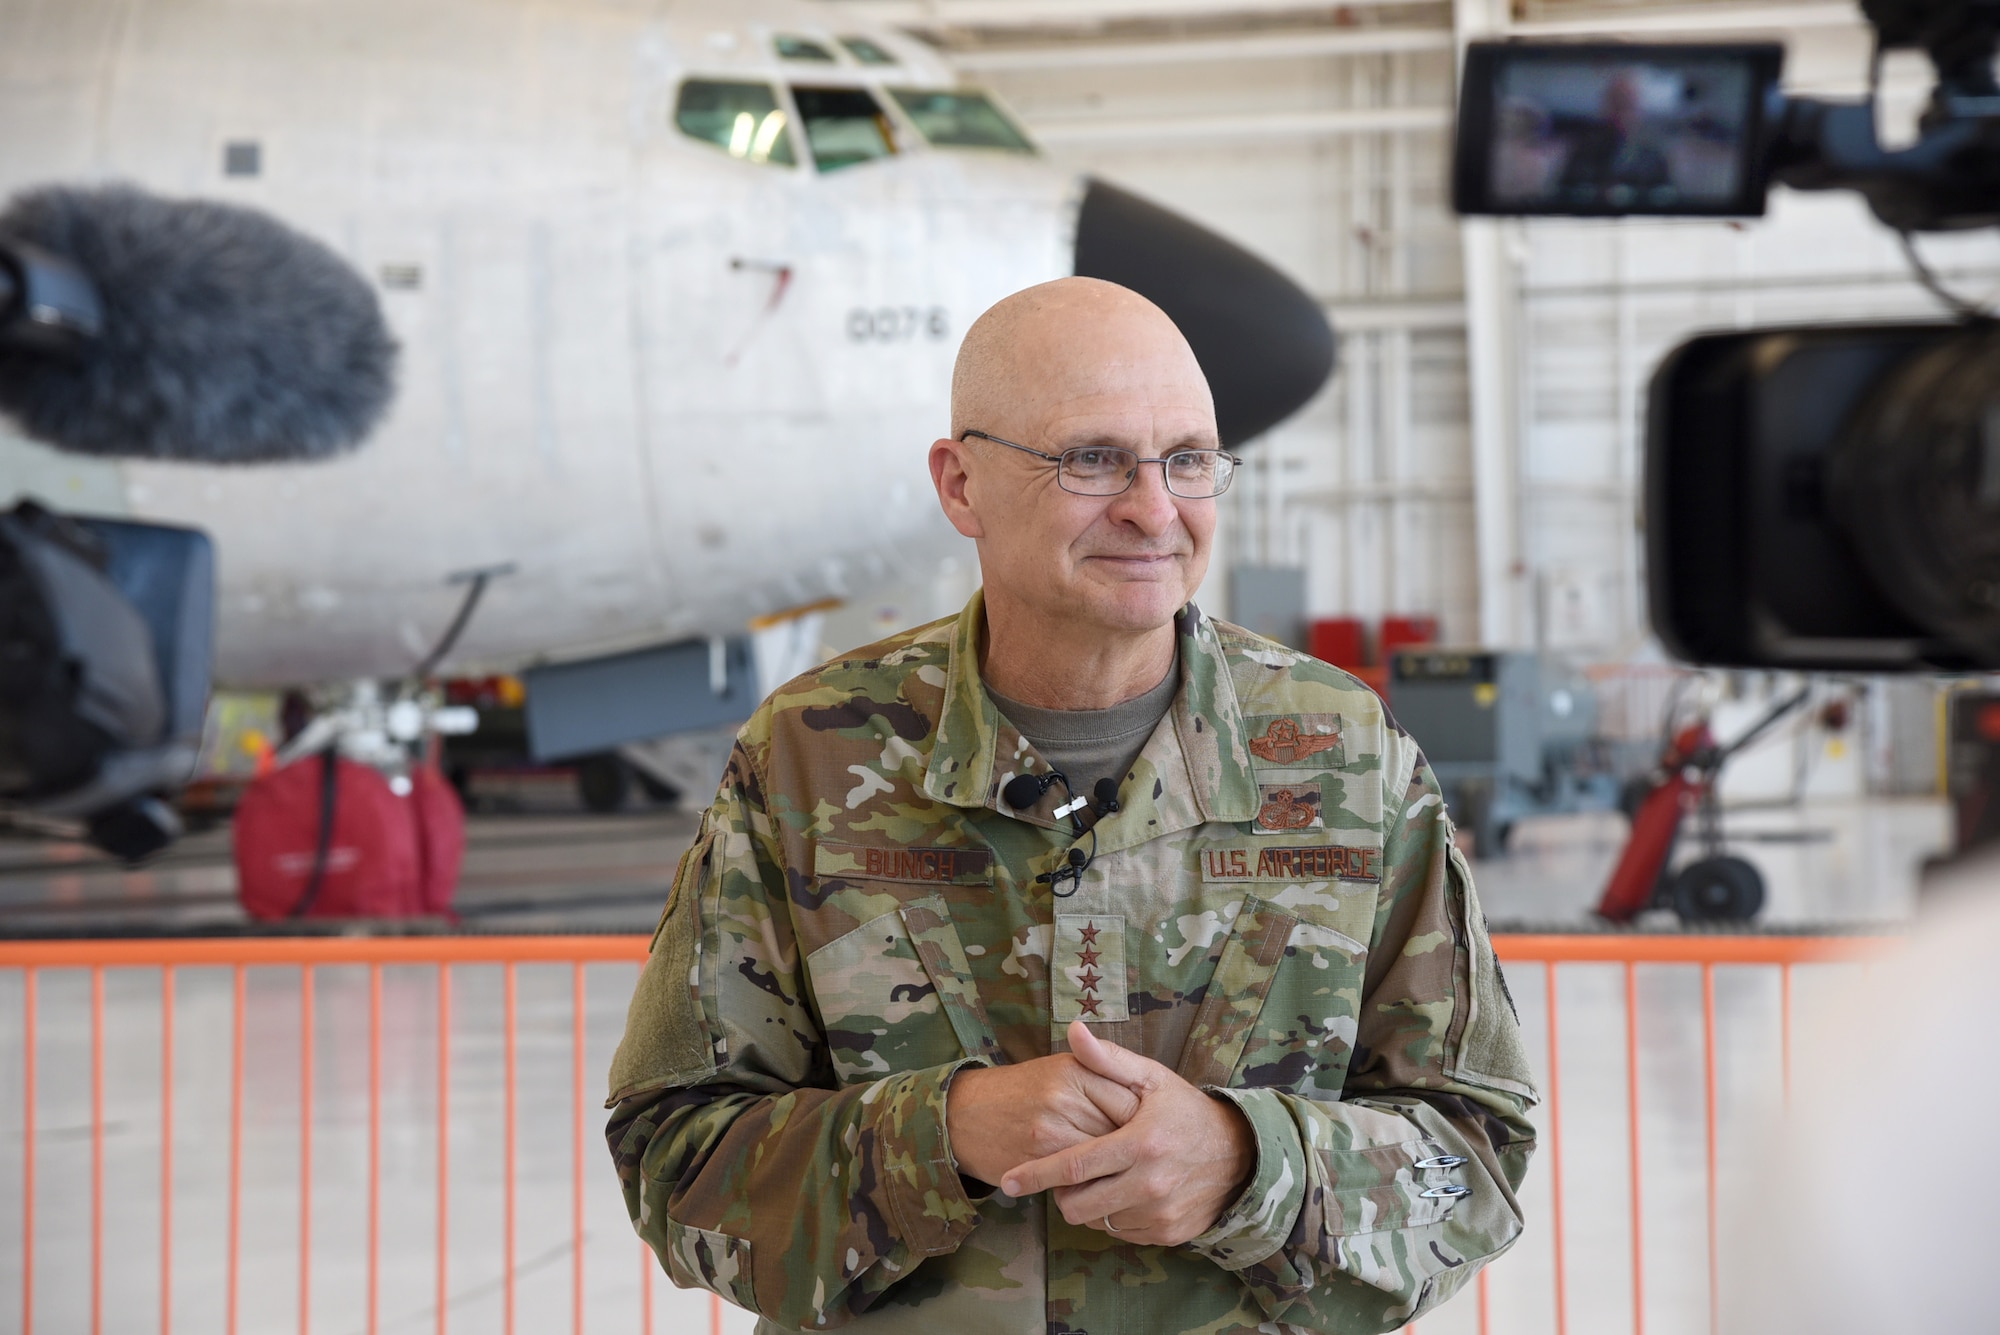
point(1277, 911)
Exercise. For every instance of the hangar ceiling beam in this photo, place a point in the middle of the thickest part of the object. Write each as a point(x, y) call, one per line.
point(1263, 125)
point(1350, 316)
point(934, 15)
point(1280, 46)
point(998, 15)
point(1777, 20)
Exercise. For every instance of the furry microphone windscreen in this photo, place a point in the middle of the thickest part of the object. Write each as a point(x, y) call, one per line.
point(228, 337)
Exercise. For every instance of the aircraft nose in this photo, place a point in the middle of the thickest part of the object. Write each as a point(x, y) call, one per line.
point(1263, 342)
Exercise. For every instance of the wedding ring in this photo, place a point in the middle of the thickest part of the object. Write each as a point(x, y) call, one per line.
point(1108, 1224)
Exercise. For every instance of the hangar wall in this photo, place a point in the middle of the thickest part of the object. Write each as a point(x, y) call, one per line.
point(1319, 135)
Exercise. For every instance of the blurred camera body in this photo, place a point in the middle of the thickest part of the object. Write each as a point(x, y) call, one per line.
point(106, 636)
point(1827, 497)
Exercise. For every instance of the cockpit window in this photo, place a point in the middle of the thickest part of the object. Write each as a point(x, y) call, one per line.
point(801, 48)
point(742, 118)
point(867, 52)
point(960, 120)
point(844, 126)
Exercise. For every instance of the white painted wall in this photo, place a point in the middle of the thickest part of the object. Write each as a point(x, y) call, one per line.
point(1368, 488)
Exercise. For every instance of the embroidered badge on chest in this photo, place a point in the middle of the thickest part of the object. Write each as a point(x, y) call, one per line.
point(1285, 807)
point(1089, 982)
point(1286, 743)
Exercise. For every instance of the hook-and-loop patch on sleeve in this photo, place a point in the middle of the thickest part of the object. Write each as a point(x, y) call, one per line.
point(672, 1042)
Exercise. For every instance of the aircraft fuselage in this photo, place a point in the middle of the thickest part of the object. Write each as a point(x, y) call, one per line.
point(669, 384)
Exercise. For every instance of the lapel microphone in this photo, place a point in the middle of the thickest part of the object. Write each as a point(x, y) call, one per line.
point(1024, 790)
point(1071, 869)
point(1104, 796)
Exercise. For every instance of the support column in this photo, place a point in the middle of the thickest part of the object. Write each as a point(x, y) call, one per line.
point(1492, 322)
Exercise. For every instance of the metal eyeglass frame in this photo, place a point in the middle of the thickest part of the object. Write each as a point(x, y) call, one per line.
point(1056, 459)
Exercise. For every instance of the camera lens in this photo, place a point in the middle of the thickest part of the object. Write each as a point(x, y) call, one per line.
point(1915, 481)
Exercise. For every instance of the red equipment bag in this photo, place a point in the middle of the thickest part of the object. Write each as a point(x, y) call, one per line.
point(327, 838)
point(440, 838)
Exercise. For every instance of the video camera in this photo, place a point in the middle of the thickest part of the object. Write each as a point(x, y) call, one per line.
point(105, 625)
point(183, 331)
point(1816, 497)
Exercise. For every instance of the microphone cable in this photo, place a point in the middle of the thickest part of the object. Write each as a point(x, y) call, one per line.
point(1025, 790)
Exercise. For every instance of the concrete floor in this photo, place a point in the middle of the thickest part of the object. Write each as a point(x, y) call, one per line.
point(1840, 865)
point(541, 868)
point(544, 867)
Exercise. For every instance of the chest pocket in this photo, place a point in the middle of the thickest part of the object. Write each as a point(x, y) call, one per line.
point(896, 993)
point(1283, 1006)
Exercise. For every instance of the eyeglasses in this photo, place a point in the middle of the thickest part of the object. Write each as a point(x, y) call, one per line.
point(1108, 470)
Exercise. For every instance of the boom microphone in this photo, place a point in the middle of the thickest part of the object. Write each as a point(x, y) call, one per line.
point(225, 336)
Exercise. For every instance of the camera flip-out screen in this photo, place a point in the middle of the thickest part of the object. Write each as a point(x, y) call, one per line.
point(1610, 128)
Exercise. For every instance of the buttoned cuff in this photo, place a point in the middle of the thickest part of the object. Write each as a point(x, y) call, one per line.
point(1261, 1219)
point(926, 1199)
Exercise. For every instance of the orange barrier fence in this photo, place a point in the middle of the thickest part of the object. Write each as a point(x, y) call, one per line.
point(308, 956)
point(1630, 951)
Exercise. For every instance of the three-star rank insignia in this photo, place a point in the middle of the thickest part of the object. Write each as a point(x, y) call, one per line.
point(1285, 807)
point(1088, 971)
point(1287, 742)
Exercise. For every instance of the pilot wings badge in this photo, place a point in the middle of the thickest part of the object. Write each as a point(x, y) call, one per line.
point(1284, 743)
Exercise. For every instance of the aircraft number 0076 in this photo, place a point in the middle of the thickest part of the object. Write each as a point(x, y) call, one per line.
point(896, 324)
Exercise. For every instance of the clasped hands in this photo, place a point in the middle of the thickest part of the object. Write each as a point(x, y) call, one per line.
point(1127, 1146)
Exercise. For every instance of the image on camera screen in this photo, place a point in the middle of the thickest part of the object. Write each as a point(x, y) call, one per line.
point(1630, 134)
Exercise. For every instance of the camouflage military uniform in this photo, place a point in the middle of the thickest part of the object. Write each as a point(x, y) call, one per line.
point(1277, 912)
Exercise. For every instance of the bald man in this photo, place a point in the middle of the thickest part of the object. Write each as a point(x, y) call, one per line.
point(1078, 963)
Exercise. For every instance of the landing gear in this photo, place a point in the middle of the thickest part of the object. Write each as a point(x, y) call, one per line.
point(134, 830)
point(1718, 889)
point(604, 782)
point(658, 791)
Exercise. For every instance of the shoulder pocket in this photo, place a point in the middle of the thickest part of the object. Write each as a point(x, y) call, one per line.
point(1490, 1052)
point(668, 1040)
point(1388, 1188)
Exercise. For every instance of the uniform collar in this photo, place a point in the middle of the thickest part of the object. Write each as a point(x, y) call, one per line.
point(976, 750)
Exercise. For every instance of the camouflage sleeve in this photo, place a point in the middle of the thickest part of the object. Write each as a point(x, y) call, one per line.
point(1366, 1213)
point(745, 1167)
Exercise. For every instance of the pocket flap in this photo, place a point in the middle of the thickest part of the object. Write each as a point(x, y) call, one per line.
point(929, 923)
point(1236, 993)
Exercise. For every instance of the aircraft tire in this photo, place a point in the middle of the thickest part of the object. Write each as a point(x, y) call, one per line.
point(1718, 889)
point(659, 793)
point(603, 782)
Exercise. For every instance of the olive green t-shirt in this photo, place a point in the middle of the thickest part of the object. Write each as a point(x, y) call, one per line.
point(1092, 744)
